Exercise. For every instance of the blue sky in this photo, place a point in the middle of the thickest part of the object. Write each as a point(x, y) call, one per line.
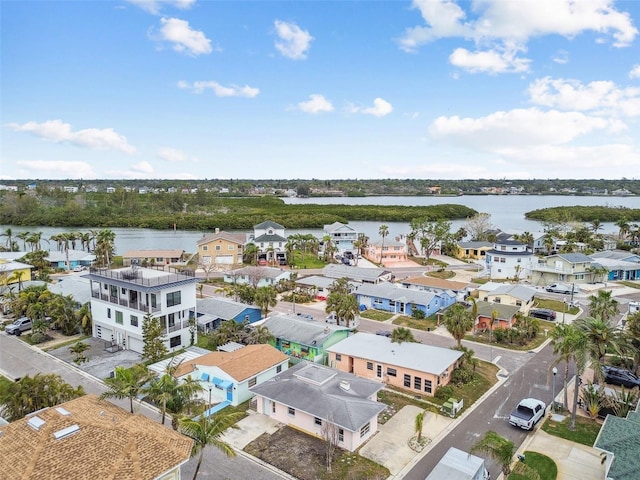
point(430, 89)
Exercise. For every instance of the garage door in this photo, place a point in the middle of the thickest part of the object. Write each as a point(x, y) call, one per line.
point(224, 259)
point(135, 344)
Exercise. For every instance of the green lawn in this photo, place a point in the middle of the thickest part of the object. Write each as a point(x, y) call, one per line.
point(545, 466)
point(585, 432)
point(306, 260)
point(556, 305)
point(377, 315)
point(425, 324)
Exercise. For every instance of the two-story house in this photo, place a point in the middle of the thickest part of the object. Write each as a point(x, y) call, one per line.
point(516, 295)
point(121, 298)
point(387, 252)
point(342, 236)
point(509, 259)
point(270, 239)
point(221, 248)
point(409, 366)
point(568, 268)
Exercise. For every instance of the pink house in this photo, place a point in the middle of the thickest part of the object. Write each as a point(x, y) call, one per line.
point(309, 395)
point(391, 252)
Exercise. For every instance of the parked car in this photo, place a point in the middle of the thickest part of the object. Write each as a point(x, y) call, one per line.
point(384, 333)
point(561, 288)
point(620, 376)
point(528, 412)
point(18, 326)
point(543, 313)
point(79, 268)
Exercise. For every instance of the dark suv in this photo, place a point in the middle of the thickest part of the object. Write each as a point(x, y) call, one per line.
point(543, 313)
point(620, 376)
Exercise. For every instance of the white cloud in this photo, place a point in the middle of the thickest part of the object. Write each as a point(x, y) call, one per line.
point(59, 132)
point(316, 104)
point(154, 6)
point(380, 108)
point(635, 72)
point(503, 25)
point(602, 97)
point(184, 39)
point(489, 61)
point(58, 169)
point(219, 90)
point(293, 42)
point(171, 154)
point(561, 57)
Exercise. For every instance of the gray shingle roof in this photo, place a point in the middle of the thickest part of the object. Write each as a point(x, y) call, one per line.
point(315, 390)
point(77, 286)
point(505, 312)
point(520, 292)
point(300, 330)
point(424, 358)
point(575, 257)
point(393, 292)
point(269, 238)
point(268, 224)
point(354, 273)
point(221, 307)
point(622, 437)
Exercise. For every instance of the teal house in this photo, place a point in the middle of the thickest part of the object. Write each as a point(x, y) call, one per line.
point(303, 338)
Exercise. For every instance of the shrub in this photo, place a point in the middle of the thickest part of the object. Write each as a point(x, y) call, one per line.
point(418, 314)
point(38, 337)
point(461, 376)
point(443, 393)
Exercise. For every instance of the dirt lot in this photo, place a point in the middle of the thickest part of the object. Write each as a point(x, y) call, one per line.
point(303, 457)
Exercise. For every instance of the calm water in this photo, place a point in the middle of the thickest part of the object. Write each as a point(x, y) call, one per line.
point(507, 213)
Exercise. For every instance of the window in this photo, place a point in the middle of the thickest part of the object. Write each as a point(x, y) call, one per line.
point(365, 429)
point(407, 380)
point(175, 341)
point(291, 411)
point(108, 313)
point(417, 383)
point(392, 372)
point(113, 291)
point(119, 317)
point(98, 331)
point(369, 366)
point(173, 299)
point(338, 357)
point(317, 421)
point(278, 368)
point(134, 320)
point(252, 382)
point(218, 248)
point(205, 248)
point(230, 248)
point(273, 407)
point(172, 319)
point(154, 301)
point(427, 386)
point(341, 435)
point(379, 370)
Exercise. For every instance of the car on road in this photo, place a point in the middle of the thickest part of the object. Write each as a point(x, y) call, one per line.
point(561, 288)
point(543, 313)
point(18, 326)
point(620, 376)
point(527, 413)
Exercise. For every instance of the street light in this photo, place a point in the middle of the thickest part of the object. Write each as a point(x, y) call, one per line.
point(553, 400)
point(209, 398)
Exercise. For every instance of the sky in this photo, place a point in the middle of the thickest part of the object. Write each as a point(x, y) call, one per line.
point(315, 89)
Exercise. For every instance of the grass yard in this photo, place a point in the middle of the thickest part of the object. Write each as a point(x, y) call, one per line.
point(557, 306)
point(545, 466)
point(442, 274)
point(376, 315)
point(303, 261)
point(585, 433)
point(484, 337)
point(426, 324)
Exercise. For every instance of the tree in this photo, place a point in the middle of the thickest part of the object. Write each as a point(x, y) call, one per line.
point(430, 234)
point(266, 297)
point(30, 394)
point(77, 350)
point(342, 302)
point(331, 435)
point(458, 321)
point(161, 391)
point(63, 310)
point(478, 226)
point(127, 383)
point(383, 231)
point(562, 342)
point(603, 305)
point(419, 421)
point(9, 234)
point(258, 335)
point(600, 337)
point(502, 451)
point(154, 338)
point(208, 431)
point(633, 335)
point(105, 247)
point(402, 334)
point(85, 318)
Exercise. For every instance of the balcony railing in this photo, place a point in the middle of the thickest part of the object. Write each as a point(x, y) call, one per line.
point(134, 305)
point(177, 326)
point(135, 275)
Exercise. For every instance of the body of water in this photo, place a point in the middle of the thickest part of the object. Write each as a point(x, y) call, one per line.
point(507, 213)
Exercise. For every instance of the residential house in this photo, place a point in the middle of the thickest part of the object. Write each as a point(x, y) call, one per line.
point(257, 276)
point(76, 286)
point(121, 298)
point(308, 396)
point(76, 258)
point(302, 338)
point(509, 259)
point(88, 438)
point(342, 236)
point(619, 438)
point(387, 252)
point(316, 286)
point(505, 315)
point(409, 366)
point(357, 274)
point(476, 250)
point(226, 377)
point(620, 264)
point(460, 290)
point(270, 239)
point(150, 258)
point(516, 295)
point(568, 268)
point(212, 311)
point(221, 248)
point(13, 272)
point(391, 297)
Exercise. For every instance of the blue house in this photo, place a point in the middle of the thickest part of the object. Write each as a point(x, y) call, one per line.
point(211, 312)
point(390, 297)
point(620, 264)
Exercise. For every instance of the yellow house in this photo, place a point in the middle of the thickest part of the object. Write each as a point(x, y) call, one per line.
point(221, 248)
point(14, 272)
point(473, 250)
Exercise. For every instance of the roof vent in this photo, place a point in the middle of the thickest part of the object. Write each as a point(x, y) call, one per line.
point(65, 432)
point(36, 422)
point(345, 385)
point(63, 411)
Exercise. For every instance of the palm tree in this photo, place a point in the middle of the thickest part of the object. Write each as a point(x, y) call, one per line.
point(23, 236)
point(127, 383)
point(402, 334)
point(596, 225)
point(77, 350)
point(9, 234)
point(259, 335)
point(562, 340)
point(603, 305)
point(383, 232)
point(342, 302)
point(458, 321)
point(105, 247)
point(266, 297)
point(599, 337)
point(623, 228)
point(208, 431)
point(632, 333)
point(418, 425)
point(161, 390)
point(498, 448)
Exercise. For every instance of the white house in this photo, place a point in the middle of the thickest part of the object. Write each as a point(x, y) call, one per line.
point(342, 236)
point(271, 241)
point(509, 259)
point(121, 298)
point(257, 276)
